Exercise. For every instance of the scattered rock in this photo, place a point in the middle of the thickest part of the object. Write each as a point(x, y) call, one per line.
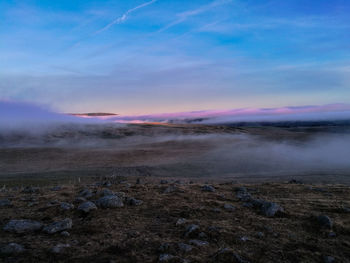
point(109, 201)
point(5, 203)
point(59, 248)
point(332, 234)
point(67, 206)
point(56, 188)
point(295, 181)
point(180, 221)
point(244, 238)
point(208, 188)
point(192, 230)
point(65, 234)
point(241, 189)
point(31, 190)
point(106, 191)
point(328, 259)
point(166, 258)
point(12, 248)
point(107, 184)
point(52, 203)
point(227, 255)
point(198, 243)
point(185, 247)
point(229, 207)
point(202, 235)
point(324, 221)
point(86, 193)
point(260, 235)
point(170, 189)
point(30, 204)
point(271, 209)
point(164, 247)
point(121, 195)
point(58, 226)
point(133, 202)
point(139, 181)
point(80, 200)
point(346, 209)
point(242, 194)
point(22, 226)
point(216, 210)
point(86, 207)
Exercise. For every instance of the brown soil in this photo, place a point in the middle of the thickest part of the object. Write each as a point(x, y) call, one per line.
point(135, 233)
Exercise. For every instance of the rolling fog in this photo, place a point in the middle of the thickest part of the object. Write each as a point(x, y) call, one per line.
point(182, 152)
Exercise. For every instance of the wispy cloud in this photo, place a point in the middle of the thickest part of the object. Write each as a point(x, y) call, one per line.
point(124, 17)
point(190, 13)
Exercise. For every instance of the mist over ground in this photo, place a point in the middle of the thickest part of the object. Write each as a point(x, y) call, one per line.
point(33, 139)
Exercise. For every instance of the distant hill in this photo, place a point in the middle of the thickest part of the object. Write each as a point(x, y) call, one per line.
point(94, 114)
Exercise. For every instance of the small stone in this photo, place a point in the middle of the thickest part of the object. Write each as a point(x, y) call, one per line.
point(198, 243)
point(227, 255)
point(22, 226)
point(260, 235)
point(295, 181)
point(165, 258)
point(324, 221)
point(133, 202)
point(79, 200)
point(12, 248)
point(31, 190)
point(56, 188)
point(242, 194)
point(86, 193)
point(121, 195)
point(185, 247)
point(180, 221)
point(346, 209)
point(106, 191)
point(30, 204)
point(332, 234)
point(191, 230)
point(208, 188)
point(59, 248)
point(109, 201)
point(328, 259)
point(58, 226)
point(5, 203)
point(164, 247)
point(229, 207)
point(67, 206)
point(170, 189)
point(244, 238)
point(202, 235)
point(270, 209)
point(216, 210)
point(86, 207)
point(65, 234)
point(164, 182)
point(241, 189)
point(107, 184)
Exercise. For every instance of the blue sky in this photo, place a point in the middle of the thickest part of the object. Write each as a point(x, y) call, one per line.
point(136, 57)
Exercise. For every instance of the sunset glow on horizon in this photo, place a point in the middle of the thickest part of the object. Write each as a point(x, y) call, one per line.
point(152, 56)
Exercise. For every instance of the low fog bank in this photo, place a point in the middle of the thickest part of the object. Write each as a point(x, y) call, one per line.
point(21, 118)
point(255, 156)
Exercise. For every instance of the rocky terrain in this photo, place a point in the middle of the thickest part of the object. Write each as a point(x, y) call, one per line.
point(152, 219)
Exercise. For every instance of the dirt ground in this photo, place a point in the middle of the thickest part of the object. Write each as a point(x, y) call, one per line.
point(136, 233)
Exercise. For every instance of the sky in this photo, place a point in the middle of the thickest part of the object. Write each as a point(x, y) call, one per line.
point(155, 56)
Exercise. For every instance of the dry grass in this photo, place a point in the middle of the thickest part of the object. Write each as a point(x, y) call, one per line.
point(134, 233)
